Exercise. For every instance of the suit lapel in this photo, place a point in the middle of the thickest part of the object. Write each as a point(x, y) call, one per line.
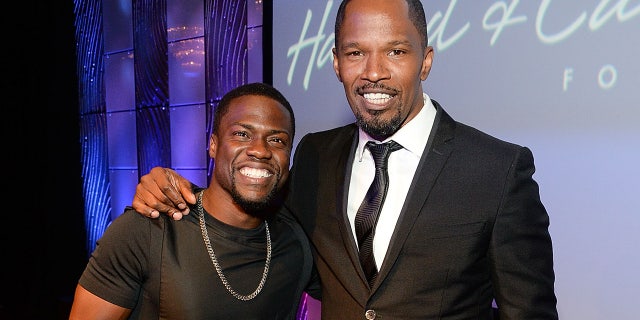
point(343, 179)
point(431, 163)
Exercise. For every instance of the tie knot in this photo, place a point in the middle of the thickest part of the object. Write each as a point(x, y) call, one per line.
point(381, 151)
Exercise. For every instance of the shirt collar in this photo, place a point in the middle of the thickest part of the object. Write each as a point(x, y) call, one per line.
point(412, 136)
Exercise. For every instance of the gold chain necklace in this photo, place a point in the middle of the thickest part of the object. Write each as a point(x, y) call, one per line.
point(212, 255)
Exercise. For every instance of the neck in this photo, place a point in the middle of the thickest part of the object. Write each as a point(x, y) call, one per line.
point(226, 211)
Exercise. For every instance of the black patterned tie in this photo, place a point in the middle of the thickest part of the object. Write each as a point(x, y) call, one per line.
point(367, 215)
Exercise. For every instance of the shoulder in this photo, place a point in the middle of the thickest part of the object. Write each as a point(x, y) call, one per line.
point(132, 219)
point(131, 228)
point(464, 142)
point(468, 137)
point(120, 262)
point(321, 138)
point(321, 148)
point(472, 135)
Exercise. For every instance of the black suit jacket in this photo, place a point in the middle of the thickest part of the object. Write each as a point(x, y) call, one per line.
point(472, 229)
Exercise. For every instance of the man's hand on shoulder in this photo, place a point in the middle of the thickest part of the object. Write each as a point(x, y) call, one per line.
point(163, 190)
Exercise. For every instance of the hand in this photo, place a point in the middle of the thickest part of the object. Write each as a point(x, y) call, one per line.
point(163, 190)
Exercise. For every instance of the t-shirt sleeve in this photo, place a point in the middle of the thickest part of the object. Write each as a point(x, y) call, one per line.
point(118, 265)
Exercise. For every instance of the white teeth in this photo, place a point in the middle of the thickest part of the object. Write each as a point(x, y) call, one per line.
point(255, 173)
point(377, 97)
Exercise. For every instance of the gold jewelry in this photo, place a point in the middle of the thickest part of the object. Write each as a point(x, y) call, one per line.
point(212, 255)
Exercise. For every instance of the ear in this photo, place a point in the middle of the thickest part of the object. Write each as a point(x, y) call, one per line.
point(336, 64)
point(213, 143)
point(426, 63)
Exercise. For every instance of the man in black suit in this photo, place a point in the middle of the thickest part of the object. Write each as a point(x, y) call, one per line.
point(462, 225)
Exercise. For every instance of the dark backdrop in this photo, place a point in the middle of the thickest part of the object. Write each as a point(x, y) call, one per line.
point(41, 228)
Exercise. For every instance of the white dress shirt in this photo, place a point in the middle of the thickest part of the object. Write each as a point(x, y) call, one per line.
point(402, 166)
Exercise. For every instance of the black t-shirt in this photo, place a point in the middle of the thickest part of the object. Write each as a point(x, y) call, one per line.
point(160, 268)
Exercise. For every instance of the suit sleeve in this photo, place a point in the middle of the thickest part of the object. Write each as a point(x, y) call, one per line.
point(521, 250)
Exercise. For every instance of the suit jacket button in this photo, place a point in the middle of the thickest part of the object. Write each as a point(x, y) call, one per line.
point(370, 314)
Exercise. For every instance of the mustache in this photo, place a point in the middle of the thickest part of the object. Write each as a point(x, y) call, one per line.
point(376, 86)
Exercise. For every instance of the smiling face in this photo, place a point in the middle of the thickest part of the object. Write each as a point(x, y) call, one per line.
point(251, 148)
point(381, 61)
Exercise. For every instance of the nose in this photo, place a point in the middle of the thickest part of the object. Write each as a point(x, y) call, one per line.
point(375, 68)
point(259, 149)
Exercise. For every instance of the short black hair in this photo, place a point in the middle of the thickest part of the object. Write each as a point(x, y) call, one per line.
point(416, 15)
point(252, 89)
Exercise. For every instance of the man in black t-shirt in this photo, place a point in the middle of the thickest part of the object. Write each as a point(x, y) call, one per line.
point(239, 257)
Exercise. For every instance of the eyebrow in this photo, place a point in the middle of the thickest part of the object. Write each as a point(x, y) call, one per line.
point(356, 44)
point(251, 127)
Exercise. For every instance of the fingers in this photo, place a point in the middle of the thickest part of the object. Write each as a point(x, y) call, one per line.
point(148, 203)
point(173, 191)
point(161, 191)
point(183, 186)
point(143, 209)
point(176, 215)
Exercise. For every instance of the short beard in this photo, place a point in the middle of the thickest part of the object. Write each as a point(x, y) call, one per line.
point(263, 209)
point(377, 128)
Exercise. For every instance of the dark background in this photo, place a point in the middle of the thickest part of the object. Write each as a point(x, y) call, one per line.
point(41, 228)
